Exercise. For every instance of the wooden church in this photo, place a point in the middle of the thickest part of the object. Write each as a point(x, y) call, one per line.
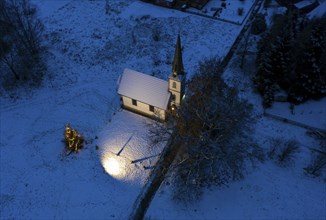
point(151, 96)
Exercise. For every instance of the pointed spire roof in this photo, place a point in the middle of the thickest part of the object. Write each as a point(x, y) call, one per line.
point(177, 65)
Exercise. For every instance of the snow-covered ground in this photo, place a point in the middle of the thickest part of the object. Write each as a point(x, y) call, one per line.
point(88, 50)
point(310, 113)
point(124, 151)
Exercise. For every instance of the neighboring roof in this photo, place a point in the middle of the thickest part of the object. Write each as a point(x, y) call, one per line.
point(319, 11)
point(144, 88)
point(304, 3)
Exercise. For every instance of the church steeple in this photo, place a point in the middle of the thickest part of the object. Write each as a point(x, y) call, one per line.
point(177, 78)
point(177, 65)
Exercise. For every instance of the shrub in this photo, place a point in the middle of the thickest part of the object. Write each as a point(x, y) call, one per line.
point(283, 151)
point(318, 155)
point(317, 164)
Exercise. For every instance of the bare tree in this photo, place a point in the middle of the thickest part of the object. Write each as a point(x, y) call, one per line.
point(213, 125)
point(20, 41)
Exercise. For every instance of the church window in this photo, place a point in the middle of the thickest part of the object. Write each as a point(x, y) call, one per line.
point(134, 102)
point(174, 85)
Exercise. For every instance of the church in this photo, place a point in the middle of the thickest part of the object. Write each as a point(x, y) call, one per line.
point(151, 96)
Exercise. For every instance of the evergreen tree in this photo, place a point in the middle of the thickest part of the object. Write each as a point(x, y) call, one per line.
point(309, 66)
point(280, 57)
point(292, 57)
point(264, 81)
point(258, 25)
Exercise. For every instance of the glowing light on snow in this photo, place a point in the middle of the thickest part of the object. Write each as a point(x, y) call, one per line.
point(116, 166)
point(112, 166)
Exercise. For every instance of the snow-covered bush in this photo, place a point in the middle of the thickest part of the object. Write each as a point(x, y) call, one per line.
point(283, 151)
point(317, 165)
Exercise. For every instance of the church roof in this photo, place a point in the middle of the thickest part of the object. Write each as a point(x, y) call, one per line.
point(144, 88)
point(177, 64)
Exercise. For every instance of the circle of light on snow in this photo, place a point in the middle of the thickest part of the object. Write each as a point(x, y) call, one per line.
point(112, 166)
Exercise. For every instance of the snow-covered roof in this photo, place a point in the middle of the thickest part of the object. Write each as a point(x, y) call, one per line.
point(303, 3)
point(319, 11)
point(144, 88)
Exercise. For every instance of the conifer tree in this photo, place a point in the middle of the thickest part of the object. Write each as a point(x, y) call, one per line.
point(281, 56)
point(292, 57)
point(309, 66)
point(264, 81)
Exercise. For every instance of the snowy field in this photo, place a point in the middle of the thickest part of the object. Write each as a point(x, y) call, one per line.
point(88, 50)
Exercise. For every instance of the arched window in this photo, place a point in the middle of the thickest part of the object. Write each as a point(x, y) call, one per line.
point(174, 85)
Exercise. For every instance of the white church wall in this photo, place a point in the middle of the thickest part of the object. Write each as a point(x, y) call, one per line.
point(177, 97)
point(142, 108)
point(175, 91)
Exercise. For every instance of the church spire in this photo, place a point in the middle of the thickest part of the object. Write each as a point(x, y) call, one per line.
point(177, 65)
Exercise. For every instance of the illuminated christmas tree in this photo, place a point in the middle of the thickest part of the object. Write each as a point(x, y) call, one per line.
point(74, 141)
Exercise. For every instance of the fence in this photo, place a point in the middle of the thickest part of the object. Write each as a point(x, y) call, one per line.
point(289, 121)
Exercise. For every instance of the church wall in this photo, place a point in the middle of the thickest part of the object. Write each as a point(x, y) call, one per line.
point(178, 91)
point(142, 108)
point(177, 97)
